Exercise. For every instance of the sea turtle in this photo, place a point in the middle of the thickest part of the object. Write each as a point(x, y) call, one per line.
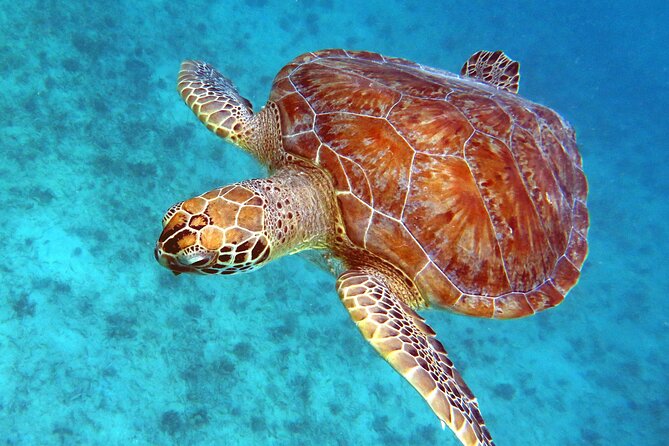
point(419, 188)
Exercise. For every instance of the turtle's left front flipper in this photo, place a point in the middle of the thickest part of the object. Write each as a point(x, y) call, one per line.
point(403, 338)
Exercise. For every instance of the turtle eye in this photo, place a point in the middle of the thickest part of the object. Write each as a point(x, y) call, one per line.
point(198, 258)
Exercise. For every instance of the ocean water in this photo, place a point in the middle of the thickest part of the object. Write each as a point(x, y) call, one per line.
point(100, 345)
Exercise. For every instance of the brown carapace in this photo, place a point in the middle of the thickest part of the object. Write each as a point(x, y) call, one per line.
point(427, 188)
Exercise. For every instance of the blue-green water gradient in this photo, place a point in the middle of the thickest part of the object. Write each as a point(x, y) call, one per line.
point(100, 345)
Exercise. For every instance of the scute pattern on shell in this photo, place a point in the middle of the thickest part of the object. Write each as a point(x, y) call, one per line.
point(476, 193)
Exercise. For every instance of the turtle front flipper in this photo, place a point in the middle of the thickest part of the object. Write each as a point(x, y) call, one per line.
point(403, 338)
point(216, 102)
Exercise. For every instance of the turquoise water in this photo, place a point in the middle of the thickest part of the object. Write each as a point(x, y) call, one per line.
point(100, 345)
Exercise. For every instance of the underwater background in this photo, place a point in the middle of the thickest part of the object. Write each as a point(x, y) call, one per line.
point(101, 345)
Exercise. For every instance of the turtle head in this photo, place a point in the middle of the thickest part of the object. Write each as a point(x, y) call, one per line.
point(220, 232)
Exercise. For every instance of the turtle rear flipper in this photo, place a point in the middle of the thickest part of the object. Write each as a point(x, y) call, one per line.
point(403, 339)
point(494, 68)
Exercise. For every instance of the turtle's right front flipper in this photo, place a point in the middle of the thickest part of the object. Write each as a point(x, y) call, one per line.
point(403, 338)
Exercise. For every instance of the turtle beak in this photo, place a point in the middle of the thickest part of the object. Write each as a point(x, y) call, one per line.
point(164, 260)
point(157, 253)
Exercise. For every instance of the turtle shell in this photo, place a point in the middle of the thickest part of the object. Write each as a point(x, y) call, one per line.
point(475, 193)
